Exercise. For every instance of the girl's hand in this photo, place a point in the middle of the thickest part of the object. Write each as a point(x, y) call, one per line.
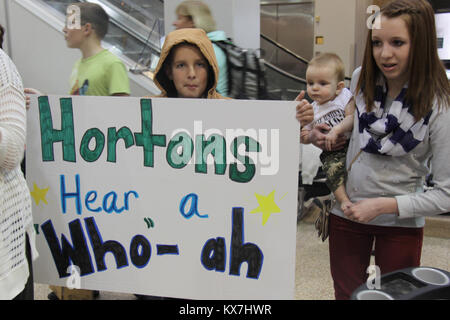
point(366, 210)
point(305, 112)
point(346, 205)
point(28, 91)
point(317, 135)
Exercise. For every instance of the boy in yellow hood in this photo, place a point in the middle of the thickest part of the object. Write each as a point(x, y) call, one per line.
point(176, 77)
point(187, 66)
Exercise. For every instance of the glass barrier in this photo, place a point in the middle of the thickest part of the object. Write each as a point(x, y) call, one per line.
point(282, 85)
point(144, 11)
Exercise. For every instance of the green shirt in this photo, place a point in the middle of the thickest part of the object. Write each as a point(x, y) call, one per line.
point(100, 75)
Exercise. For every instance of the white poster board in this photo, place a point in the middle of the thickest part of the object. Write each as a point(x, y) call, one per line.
point(116, 193)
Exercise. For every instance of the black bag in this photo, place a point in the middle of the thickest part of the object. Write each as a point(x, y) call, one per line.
point(246, 72)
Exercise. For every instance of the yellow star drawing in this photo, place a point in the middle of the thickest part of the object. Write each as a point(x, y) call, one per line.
point(39, 194)
point(267, 206)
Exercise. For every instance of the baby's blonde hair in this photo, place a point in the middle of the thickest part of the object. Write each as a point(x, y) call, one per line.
point(327, 59)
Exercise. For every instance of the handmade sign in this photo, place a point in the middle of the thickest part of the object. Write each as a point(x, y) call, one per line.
point(171, 197)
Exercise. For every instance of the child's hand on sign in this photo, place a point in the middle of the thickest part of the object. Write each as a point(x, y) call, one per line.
point(305, 113)
point(28, 91)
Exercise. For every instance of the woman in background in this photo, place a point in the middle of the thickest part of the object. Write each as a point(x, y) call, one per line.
point(17, 235)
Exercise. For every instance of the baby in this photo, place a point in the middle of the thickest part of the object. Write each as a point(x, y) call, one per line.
point(333, 105)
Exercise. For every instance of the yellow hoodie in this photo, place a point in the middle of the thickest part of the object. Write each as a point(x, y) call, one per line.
point(194, 36)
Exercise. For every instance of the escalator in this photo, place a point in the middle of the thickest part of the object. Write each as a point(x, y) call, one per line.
point(136, 27)
point(283, 85)
point(287, 37)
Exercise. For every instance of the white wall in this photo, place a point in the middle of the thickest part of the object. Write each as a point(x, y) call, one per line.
point(38, 49)
point(342, 23)
point(238, 18)
point(443, 31)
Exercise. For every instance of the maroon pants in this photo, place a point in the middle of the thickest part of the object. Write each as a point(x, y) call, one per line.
point(350, 245)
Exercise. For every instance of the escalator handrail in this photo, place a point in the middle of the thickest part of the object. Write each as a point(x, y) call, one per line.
point(283, 48)
point(284, 73)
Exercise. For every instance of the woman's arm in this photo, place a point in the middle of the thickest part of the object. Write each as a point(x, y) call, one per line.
point(12, 126)
point(436, 200)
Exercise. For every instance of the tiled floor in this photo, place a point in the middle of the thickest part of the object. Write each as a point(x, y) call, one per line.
point(313, 279)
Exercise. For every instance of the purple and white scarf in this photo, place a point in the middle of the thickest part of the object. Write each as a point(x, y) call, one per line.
point(391, 133)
